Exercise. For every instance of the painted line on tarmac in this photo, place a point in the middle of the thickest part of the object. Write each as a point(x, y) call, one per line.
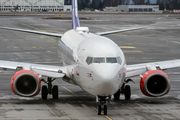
point(132, 51)
point(76, 95)
point(104, 115)
point(130, 47)
point(69, 90)
point(41, 24)
point(66, 88)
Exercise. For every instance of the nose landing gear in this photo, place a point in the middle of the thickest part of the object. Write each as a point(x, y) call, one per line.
point(103, 105)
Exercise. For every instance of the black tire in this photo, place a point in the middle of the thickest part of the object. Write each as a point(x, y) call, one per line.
point(127, 92)
point(44, 92)
point(117, 95)
point(99, 110)
point(55, 92)
point(105, 109)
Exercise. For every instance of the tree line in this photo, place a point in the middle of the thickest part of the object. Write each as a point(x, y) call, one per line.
point(100, 4)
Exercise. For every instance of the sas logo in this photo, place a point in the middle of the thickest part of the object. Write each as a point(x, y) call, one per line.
point(89, 74)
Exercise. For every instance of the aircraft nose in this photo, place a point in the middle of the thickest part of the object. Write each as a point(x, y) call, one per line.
point(106, 73)
point(107, 80)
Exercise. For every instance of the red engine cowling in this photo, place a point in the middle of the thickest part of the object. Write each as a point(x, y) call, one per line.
point(155, 83)
point(25, 83)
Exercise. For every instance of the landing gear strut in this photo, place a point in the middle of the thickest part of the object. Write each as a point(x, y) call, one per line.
point(103, 105)
point(125, 89)
point(49, 89)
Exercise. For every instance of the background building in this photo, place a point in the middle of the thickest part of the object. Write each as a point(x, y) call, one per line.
point(138, 8)
point(33, 5)
point(110, 9)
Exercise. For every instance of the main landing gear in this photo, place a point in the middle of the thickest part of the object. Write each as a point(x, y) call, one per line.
point(125, 89)
point(103, 106)
point(49, 89)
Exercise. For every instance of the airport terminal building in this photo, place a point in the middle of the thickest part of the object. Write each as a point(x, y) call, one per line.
point(138, 8)
point(34, 5)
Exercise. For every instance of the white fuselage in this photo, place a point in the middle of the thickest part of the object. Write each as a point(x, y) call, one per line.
point(99, 63)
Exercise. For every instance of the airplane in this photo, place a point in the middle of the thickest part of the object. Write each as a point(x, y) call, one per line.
point(93, 62)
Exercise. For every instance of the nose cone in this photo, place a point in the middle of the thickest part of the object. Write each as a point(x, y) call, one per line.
point(106, 72)
point(107, 79)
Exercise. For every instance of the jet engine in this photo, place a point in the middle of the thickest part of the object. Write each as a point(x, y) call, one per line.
point(25, 83)
point(155, 83)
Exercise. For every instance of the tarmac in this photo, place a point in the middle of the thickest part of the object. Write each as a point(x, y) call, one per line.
point(160, 41)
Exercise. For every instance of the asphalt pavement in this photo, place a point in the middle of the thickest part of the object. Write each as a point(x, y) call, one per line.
point(160, 41)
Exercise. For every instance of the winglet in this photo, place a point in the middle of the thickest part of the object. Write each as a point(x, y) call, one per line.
point(75, 16)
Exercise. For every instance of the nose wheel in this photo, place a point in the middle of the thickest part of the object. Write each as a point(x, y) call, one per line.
point(100, 110)
point(102, 105)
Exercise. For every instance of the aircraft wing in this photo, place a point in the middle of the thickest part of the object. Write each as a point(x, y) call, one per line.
point(140, 69)
point(117, 31)
point(33, 31)
point(41, 70)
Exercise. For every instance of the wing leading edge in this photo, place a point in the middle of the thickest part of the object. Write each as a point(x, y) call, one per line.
point(139, 69)
point(117, 31)
point(41, 70)
point(33, 31)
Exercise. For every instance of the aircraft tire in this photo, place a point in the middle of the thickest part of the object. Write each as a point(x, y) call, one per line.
point(105, 109)
point(44, 92)
point(117, 95)
point(55, 92)
point(127, 92)
point(99, 110)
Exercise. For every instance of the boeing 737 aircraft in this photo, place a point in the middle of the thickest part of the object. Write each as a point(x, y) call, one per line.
point(94, 63)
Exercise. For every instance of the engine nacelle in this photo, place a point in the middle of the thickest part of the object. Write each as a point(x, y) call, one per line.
point(25, 83)
point(155, 83)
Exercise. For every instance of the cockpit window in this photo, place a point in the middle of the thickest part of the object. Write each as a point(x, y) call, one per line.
point(111, 60)
point(89, 60)
point(99, 60)
point(119, 60)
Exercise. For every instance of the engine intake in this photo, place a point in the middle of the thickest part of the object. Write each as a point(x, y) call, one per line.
point(25, 83)
point(155, 83)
